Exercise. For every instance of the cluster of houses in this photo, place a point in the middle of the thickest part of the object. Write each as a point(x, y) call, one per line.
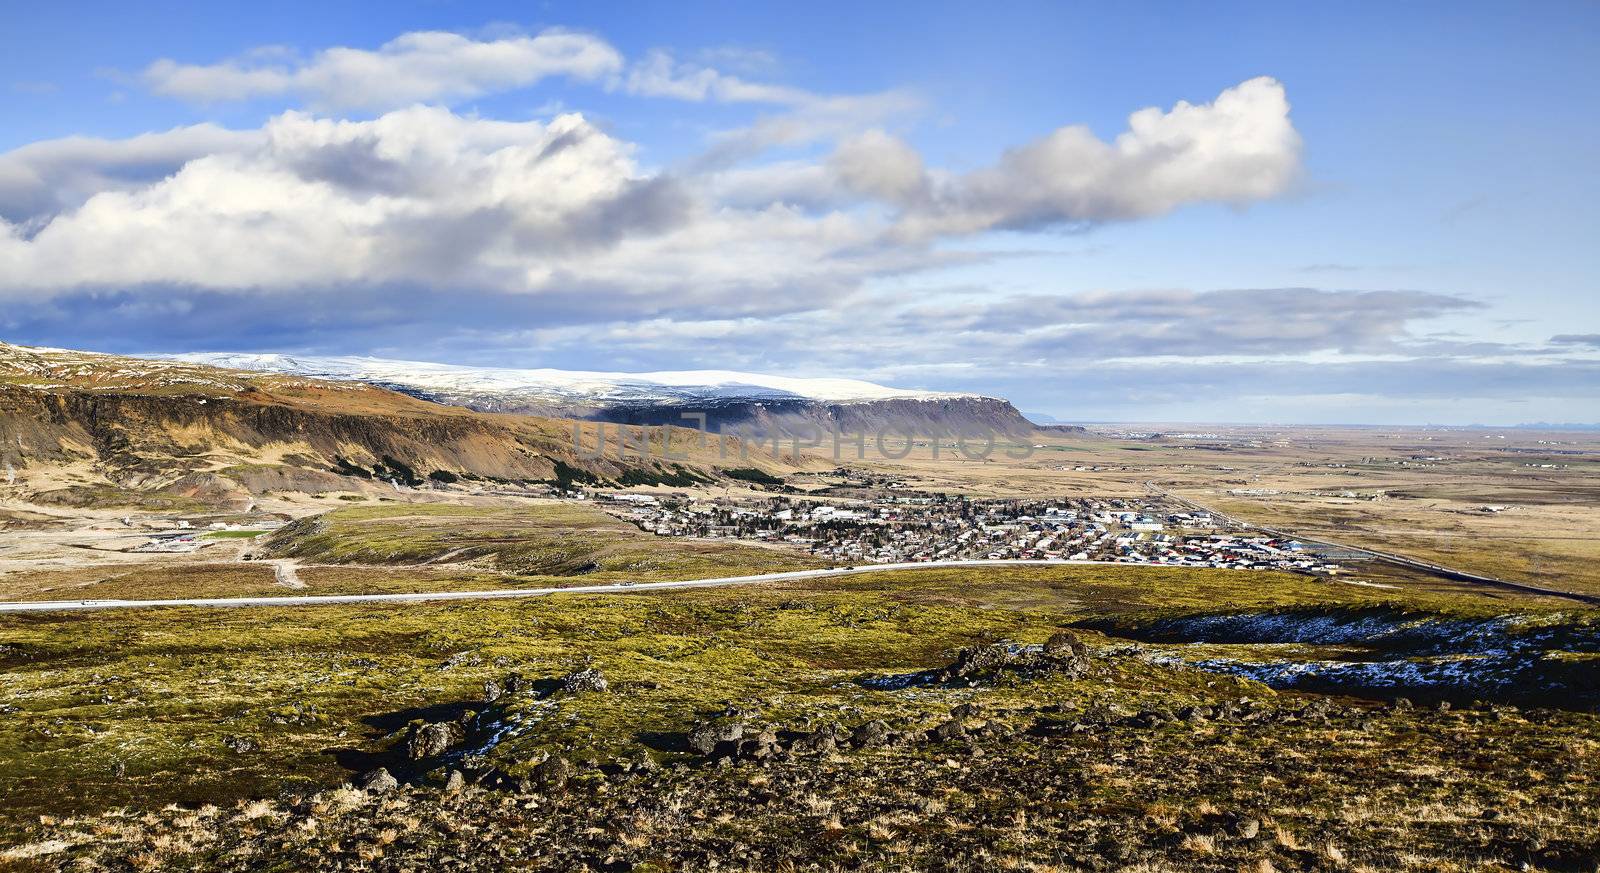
point(940, 528)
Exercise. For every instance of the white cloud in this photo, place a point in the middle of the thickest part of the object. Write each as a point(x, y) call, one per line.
point(881, 166)
point(337, 201)
point(45, 177)
point(443, 67)
point(424, 66)
point(423, 197)
point(446, 204)
point(657, 74)
point(1238, 149)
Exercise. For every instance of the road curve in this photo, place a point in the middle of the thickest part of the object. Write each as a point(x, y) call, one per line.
point(502, 594)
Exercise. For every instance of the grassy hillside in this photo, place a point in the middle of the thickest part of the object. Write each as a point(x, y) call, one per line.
point(545, 539)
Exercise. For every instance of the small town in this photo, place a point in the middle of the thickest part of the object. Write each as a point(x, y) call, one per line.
point(941, 528)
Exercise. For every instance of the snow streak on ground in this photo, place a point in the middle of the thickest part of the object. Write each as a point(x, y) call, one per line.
point(1549, 657)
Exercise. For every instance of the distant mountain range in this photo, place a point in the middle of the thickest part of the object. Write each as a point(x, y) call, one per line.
point(729, 400)
point(1557, 426)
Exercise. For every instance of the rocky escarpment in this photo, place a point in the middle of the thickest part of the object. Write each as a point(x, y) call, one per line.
point(144, 434)
point(894, 418)
point(752, 402)
point(225, 446)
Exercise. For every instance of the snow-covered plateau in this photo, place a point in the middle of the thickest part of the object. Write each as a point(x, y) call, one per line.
point(726, 397)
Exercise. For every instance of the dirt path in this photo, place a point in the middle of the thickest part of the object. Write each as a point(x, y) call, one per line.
point(287, 573)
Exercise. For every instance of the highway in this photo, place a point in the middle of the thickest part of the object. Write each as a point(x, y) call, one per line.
point(509, 593)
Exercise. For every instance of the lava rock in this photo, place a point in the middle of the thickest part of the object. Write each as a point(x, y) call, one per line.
point(818, 743)
point(978, 658)
point(240, 745)
point(582, 681)
point(705, 737)
point(869, 735)
point(948, 731)
point(762, 745)
point(378, 781)
point(433, 740)
point(1065, 643)
point(552, 773)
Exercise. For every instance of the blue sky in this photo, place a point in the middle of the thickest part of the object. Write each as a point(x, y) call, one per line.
point(1369, 213)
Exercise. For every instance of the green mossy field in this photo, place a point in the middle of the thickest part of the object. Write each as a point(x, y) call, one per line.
point(157, 692)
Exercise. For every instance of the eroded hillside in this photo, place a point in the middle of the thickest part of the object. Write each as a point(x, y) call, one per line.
point(87, 429)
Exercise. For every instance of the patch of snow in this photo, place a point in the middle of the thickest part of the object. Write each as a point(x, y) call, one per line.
point(566, 386)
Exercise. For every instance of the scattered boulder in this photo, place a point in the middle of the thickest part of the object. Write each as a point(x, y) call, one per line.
point(455, 783)
point(433, 740)
point(584, 680)
point(819, 742)
point(763, 744)
point(948, 731)
point(1064, 655)
point(870, 735)
point(516, 683)
point(1065, 644)
point(492, 690)
point(978, 658)
point(707, 736)
point(1148, 719)
point(378, 781)
point(552, 773)
point(240, 745)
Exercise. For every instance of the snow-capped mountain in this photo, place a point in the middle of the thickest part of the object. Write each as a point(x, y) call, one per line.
point(566, 385)
point(725, 397)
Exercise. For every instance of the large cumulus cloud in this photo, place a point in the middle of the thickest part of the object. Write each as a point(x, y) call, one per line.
point(425, 197)
point(1238, 149)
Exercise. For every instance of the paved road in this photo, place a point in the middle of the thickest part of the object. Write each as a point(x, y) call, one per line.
point(616, 587)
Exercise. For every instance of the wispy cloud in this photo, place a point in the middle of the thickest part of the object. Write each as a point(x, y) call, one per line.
point(1591, 340)
point(446, 68)
point(424, 66)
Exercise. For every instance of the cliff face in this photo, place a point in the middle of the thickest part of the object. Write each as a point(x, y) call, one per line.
point(933, 417)
point(771, 405)
point(137, 434)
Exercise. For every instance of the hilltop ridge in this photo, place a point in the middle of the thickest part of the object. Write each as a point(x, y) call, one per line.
point(728, 399)
point(82, 428)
